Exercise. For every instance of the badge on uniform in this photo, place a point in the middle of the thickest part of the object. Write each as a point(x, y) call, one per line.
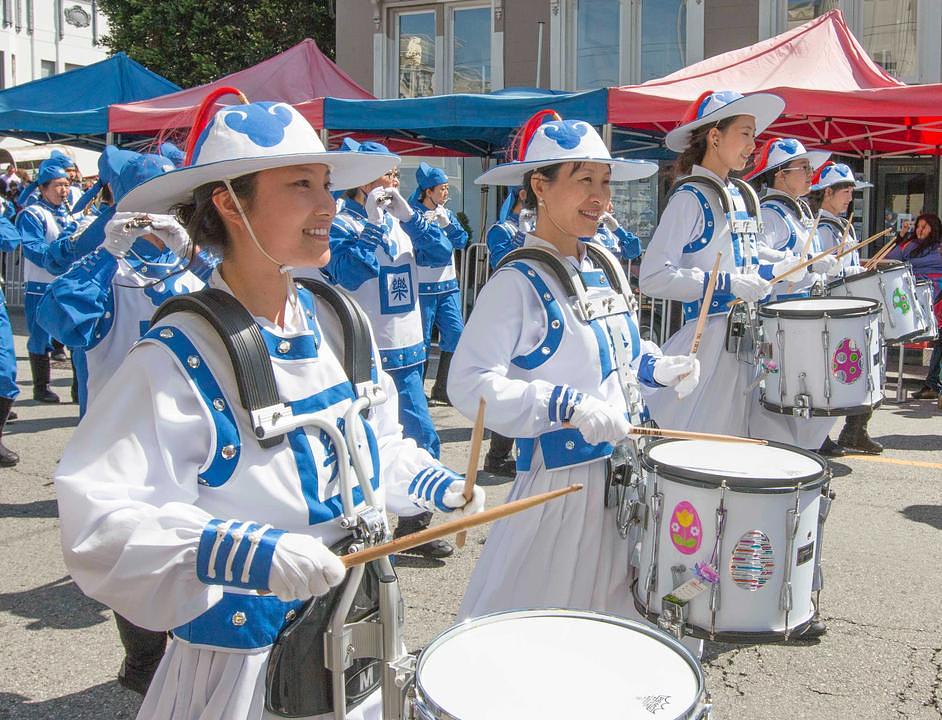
point(396, 289)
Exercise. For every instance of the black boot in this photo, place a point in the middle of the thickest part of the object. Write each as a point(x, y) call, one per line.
point(854, 436)
point(58, 351)
point(432, 549)
point(143, 650)
point(440, 388)
point(8, 458)
point(499, 459)
point(829, 448)
point(39, 364)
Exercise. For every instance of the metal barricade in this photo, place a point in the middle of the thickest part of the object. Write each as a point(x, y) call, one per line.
point(475, 271)
point(13, 285)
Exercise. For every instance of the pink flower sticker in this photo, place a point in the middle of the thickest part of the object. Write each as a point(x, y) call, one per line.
point(685, 528)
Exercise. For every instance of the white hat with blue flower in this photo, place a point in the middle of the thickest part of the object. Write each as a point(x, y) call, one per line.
point(242, 139)
point(541, 143)
point(782, 151)
point(712, 107)
point(831, 174)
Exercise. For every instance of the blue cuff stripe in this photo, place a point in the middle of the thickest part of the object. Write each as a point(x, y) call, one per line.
point(261, 562)
point(766, 272)
point(646, 371)
point(722, 282)
point(554, 403)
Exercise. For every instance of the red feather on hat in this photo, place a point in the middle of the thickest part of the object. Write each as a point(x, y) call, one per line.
point(816, 178)
point(691, 113)
point(203, 115)
point(520, 143)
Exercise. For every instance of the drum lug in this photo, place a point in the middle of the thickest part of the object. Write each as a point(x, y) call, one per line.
point(802, 407)
point(673, 617)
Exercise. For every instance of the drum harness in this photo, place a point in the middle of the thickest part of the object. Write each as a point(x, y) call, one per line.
point(331, 651)
point(622, 476)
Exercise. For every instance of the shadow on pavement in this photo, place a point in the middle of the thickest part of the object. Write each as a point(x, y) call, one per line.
point(35, 509)
point(108, 700)
point(928, 514)
point(453, 435)
point(59, 605)
point(916, 409)
point(416, 561)
point(25, 426)
point(839, 469)
point(910, 442)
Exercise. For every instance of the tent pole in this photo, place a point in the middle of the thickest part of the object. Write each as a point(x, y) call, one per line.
point(325, 137)
point(867, 194)
point(607, 136)
point(539, 53)
point(109, 138)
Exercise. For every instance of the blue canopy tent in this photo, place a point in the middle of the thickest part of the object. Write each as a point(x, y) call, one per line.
point(72, 108)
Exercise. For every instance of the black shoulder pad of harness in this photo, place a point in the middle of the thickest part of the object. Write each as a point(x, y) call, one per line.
point(749, 195)
point(835, 223)
point(243, 341)
point(709, 182)
point(548, 259)
point(357, 341)
point(791, 203)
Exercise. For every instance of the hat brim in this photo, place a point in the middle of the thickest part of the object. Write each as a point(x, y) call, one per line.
point(764, 107)
point(858, 185)
point(512, 173)
point(161, 193)
point(816, 158)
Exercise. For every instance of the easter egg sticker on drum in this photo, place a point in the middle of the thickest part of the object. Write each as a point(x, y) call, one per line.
point(752, 561)
point(900, 301)
point(686, 529)
point(846, 364)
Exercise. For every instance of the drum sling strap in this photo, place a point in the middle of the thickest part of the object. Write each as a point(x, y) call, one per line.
point(298, 683)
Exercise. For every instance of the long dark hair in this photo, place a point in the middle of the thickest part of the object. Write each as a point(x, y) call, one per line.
point(931, 243)
point(697, 147)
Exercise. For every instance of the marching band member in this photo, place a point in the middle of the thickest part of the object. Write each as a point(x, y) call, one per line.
point(40, 224)
point(565, 386)
point(832, 192)
point(708, 213)
point(785, 170)
point(9, 240)
point(172, 511)
point(376, 243)
point(439, 297)
point(613, 237)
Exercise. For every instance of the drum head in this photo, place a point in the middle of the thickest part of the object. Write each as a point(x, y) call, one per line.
point(556, 664)
point(820, 306)
point(746, 468)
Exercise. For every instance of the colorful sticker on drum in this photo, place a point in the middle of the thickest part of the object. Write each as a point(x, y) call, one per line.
point(847, 363)
point(686, 530)
point(900, 301)
point(752, 562)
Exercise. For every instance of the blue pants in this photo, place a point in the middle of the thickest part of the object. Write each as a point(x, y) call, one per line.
point(8, 386)
point(443, 311)
point(413, 409)
point(39, 342)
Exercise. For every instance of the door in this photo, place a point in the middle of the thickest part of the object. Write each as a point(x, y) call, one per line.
point(905, 188)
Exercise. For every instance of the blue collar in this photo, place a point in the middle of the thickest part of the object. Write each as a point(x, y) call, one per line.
point(354, 208)
point(165, 262)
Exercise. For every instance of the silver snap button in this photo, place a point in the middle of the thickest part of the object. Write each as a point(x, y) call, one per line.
point(531, 273)
point(228, 452)
point(166, 333)
point(193, 361)
point(284, 346)
point(547, 297)
point(290, 615)
point(570, 445)
point(219, 404)
point(555, 324)
point(239, 619)
point(107, 315)
point(545, 350)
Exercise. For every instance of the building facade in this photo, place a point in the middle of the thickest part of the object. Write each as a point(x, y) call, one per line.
point(39, 38)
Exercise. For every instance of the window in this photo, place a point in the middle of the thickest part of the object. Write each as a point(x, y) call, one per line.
point(416, 65)
point(47, 68)
point(471, 49)
point(598, 43)
point(663, 38)
point(72, 66)
point(889, 36)
point(3, 70)
point(798, 12)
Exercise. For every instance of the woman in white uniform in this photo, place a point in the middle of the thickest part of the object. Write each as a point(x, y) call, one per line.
point(566, 387)
point(172, 511)
point(783, 172)
point(708, 213)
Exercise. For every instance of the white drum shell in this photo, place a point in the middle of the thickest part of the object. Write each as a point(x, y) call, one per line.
point(537, 664)
point(925, 294)
point(813, 356)
point(741, 611)
point(895, 289)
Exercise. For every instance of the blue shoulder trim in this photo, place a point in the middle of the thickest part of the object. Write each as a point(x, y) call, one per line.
point(226, 454)
point(782, 213)
point(555, 324)
point(709, 222)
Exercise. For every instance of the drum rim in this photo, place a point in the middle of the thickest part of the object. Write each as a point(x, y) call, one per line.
point(768, 310)
point(713, 482)
point(845, 411)
point(423, 697)
point(870, 273)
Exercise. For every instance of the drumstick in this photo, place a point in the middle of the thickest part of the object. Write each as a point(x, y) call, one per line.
point(452, 526)
point(477, 435)
point(820, 255)
point(881, 253)
point(705, 307)
point(844, 234)
point(807, 245)
point(688, 435)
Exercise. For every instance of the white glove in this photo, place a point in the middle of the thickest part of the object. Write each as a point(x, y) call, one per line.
point(673, 369)
point(783, 266)
point(828, 265)
point(398, 206)
point(171, 233)
point(441, 217)
point(454, 498)
point(688, 383)
point(854, 270)
point(599, 422)
point(749, 287)
point(302, 567)
point(609, 221)
point(526, 221)
point(376, 203)
point(118, 240)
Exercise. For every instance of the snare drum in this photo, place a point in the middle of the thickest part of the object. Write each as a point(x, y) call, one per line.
point(925, 294)
point(894, 287)
point(821, 356)
point(752, 514)
point(556, 665)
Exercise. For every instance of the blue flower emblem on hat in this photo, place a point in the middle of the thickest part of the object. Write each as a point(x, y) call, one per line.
point(717, 100)
point(788, 146)
point(263, 123)
point(565, 133)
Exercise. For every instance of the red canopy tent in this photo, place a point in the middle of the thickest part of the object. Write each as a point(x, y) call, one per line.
point(301, 75)
point(836, 97)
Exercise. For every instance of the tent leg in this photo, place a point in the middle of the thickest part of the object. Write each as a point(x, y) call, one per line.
point(607, 135)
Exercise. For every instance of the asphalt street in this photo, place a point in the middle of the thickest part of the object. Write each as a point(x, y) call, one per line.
point(881, 659)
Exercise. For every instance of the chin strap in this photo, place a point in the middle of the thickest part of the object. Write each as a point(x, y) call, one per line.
point(285, 270)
